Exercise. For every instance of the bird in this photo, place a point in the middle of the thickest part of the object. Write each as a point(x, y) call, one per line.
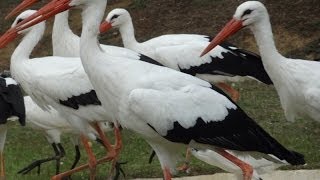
point(169, 109)
point(60, 83)
point(52, 124)
point(295, 80)
point(66, 44)
point(11, 104)
point(181, 52)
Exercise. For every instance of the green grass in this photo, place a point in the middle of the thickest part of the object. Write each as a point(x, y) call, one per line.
point(259, 101)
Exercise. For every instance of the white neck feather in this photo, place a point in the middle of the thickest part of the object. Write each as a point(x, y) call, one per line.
point(264, 38)
point(92, 15)
point(127, 34)
point(29, 41)
point(63, 37)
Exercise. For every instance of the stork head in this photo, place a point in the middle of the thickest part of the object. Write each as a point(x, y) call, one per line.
point(24, 15)
point(12, 33)
point(116, 18)
point(247, 14)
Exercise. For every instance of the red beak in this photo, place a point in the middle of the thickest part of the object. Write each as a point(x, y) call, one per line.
point(105, 26)
point(52, 8)
point(22, 6)
point(229, 29)
point(9, 36)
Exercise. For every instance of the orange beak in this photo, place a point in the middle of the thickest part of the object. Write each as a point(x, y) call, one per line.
point(9, 36)
point(105, 26)
point(229, 29)
point(52, 8)
point(22, 6)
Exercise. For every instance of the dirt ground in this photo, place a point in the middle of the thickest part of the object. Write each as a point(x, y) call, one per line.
point(296, 24)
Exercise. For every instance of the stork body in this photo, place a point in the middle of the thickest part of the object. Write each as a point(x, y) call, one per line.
point(168, 108)
point(155, 102)
point(61, 84)
point(181, 52)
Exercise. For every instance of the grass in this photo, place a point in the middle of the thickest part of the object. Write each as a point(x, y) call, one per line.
point(259, 101)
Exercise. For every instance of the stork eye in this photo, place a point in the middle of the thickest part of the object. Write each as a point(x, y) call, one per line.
point(19, 20)
point(247, 12)
point(115, 16)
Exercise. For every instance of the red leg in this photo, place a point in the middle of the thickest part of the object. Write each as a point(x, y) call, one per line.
point(185, 167)
point(118, 146)
point(2, 172)
point(91, 165)
point(166, 174)
point(113, 152)
point(117, 133)
point(233, 93)
point(246, 168)
point(103, 137)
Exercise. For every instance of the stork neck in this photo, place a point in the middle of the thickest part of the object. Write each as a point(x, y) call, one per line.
point(92, 15)
point(26, 46)
point(127, 34)
point(264, 38)
point(61, 24)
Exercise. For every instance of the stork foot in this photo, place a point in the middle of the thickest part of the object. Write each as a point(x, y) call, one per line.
point(184, 168)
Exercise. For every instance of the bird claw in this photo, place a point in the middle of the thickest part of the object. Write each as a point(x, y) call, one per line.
point(119, 170)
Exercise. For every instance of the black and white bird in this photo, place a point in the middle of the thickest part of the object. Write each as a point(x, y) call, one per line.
point(296, 80)
point(11, 104)
point(169, 109)
point(181, 52)
point(59, 83)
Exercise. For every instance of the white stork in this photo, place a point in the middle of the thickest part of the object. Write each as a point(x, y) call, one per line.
point(11, 104)
point(181, 52)
point(168, 108)
point(296, 80)
point(174, 51)
point(60, 83)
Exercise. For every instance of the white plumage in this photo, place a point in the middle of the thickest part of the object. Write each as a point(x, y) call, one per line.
point(126, 87)
point(49, 80)
point(182, 52)
point(295, 80)
point(181, 103)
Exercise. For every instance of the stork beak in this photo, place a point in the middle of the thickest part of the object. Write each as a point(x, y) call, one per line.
point(9, 36)
point(105, 26)
point(22, 6)
point(229, 29)
point(52, 8)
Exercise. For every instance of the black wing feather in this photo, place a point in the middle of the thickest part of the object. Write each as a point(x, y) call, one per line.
point(85, 99)
point(12, 102)
point(236, 62)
